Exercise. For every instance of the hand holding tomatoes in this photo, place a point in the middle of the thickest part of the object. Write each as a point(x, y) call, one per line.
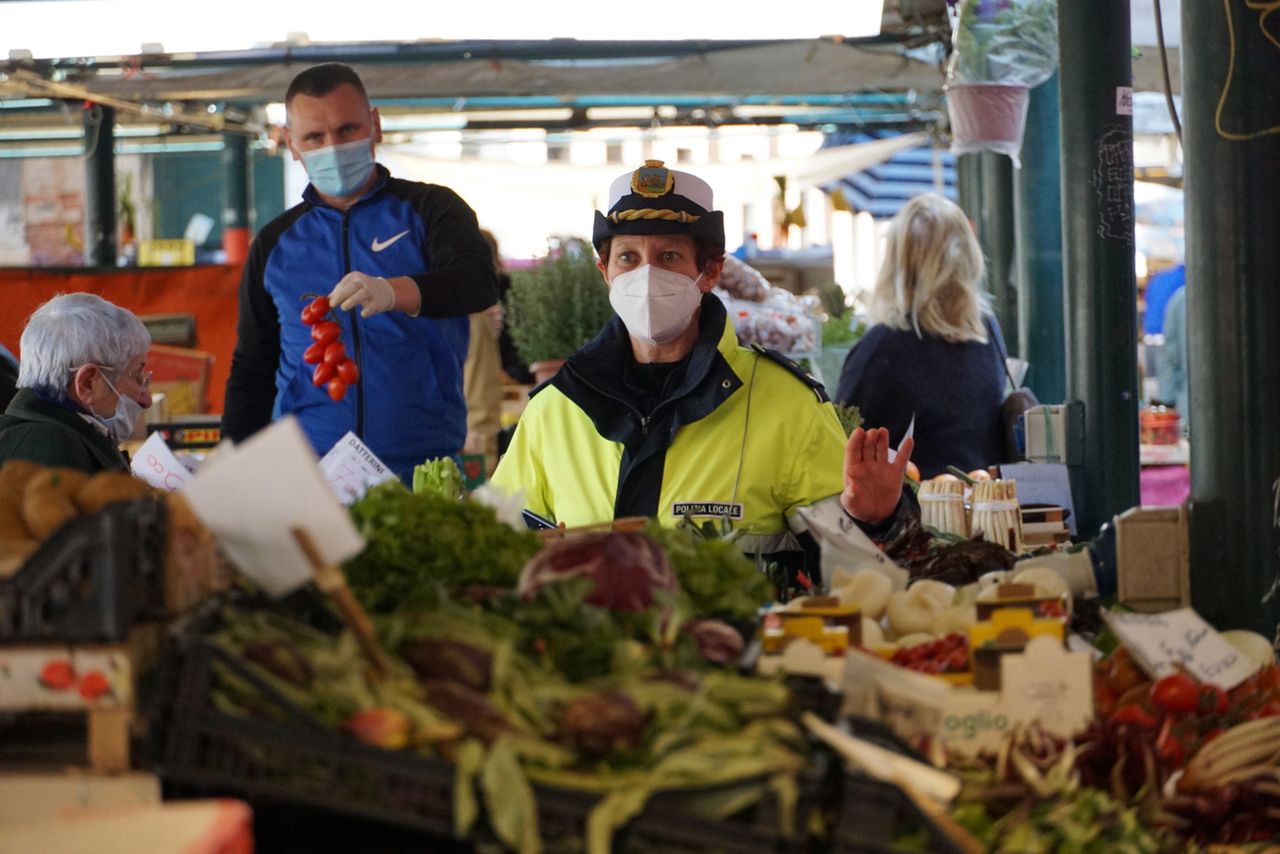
point(334, 370)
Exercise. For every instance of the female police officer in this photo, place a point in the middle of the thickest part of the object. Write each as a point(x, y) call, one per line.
point(663, 414)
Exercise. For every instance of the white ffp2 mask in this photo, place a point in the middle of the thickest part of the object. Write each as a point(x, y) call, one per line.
point(655, 304)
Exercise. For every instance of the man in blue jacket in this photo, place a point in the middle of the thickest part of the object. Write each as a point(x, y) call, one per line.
point(409, 255)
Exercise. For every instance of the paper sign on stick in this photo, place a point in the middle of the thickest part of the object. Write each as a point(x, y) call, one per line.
point(351, 468)
point(157, 465)
point(253, 498)
point(1160, 643)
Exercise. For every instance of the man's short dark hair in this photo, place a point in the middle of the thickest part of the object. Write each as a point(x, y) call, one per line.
point(320, 80)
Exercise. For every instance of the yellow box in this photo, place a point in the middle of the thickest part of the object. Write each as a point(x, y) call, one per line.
point(166, 253)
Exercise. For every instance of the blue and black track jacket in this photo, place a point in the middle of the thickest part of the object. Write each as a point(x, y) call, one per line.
point(408, 404)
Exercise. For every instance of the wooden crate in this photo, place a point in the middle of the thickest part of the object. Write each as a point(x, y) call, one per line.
point(98, 680)
point(1153, 558)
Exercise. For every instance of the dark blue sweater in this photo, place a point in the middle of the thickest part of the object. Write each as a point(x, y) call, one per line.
point(954, 391)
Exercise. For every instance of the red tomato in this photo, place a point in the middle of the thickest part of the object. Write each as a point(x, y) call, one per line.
point(348, 372)
point(315, 311)
point(325, 332)
point(1213, 700)
point(1122, 674)
point(323, 373)
point(93, 685)
point(314, 354)
point(58, 675)
point(334, 354)
point(1132, 713)
point(1178, 692)
point(1270, 709)
point(337, 388)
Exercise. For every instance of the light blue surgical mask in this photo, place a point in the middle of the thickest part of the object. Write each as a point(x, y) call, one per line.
point(121, 423)
point(339, 170)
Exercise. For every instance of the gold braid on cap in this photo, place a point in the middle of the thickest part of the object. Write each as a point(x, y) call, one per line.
point(654, 213)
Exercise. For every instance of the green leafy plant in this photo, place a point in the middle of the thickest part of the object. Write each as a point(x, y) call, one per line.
point(558, 305)
point(1009, 41)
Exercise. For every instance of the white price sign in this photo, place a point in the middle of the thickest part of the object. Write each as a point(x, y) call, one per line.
point(1161, 643)
point(158, 466)
point(351, 468)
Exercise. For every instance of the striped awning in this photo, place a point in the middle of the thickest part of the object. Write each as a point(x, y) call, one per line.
point(881, 190)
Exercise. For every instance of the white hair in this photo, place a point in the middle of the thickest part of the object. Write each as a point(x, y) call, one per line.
point(71, 330)
point(931, 277)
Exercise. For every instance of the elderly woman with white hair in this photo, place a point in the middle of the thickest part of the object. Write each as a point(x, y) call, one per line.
point(82, 384)
point(934, 354)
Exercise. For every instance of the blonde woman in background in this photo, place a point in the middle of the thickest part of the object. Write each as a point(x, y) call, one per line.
point(935, 351)
point(482, 375)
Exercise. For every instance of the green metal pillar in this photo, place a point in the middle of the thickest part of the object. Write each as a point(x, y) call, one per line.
point(99, 186)
point(996, 234)
point(1231, 138)
point(969, 185)
point(1097, 240)
point(237, 195)
point(1037, 208)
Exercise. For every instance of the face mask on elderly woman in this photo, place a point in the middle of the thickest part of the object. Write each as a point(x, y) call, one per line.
point(655, 304)
point(120, 423)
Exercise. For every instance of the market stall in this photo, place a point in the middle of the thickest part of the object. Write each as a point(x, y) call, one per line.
point(421, 660)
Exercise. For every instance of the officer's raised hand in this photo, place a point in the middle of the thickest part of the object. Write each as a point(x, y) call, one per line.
point(375, 294)
point(873, 484)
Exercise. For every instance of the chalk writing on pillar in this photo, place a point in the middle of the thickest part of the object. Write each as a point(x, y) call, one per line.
point(1245, 109)
point(1113, 182)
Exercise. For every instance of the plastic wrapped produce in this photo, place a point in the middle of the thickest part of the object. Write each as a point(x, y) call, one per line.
point(780, 325)
point(742, 281)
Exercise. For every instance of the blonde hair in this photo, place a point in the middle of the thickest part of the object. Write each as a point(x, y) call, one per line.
point(931, 275)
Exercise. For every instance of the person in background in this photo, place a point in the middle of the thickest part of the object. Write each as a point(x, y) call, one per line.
point(512, 364)
point(482, 374)
point(1160, 289)
point(1173, 357)
point(409, 255)
point(8, 376)
point(934, 355)
point(82, 385)
point(664, 415)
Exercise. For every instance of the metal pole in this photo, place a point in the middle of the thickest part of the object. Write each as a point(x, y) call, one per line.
point(996, 234)
point(1097, 241)
point(236, 209)
point(1231, 136)
point(99, 185)
point(1042, 327)
point(969, 185)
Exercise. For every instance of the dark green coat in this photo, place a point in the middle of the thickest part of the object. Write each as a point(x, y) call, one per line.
point(52, 435)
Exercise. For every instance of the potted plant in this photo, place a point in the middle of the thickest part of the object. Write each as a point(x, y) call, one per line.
point(556, 306)
point(1002, 49)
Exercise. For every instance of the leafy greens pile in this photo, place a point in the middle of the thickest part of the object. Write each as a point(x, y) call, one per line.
point(421, 543)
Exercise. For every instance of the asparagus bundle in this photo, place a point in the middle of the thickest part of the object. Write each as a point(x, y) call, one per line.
point(942, 506)
point(996, 513)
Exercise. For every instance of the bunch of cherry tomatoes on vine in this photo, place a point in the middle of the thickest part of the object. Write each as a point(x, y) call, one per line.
point(335, 370)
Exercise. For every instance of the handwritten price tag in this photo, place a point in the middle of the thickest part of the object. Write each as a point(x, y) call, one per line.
point(1163, 642)
point(157, 465)
point(351, 468)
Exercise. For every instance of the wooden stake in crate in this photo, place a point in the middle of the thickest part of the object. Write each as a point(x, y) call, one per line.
point(332, 582)
point(625, 524)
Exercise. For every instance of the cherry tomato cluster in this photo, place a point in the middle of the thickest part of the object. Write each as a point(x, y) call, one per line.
point(948, 654)
point(334, 368)
point(1178, 713)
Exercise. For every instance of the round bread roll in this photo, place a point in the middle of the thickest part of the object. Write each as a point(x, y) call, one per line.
point(108, 487)
point(47, 502)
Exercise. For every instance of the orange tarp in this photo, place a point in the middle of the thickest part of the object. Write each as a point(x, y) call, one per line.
point(206, 292)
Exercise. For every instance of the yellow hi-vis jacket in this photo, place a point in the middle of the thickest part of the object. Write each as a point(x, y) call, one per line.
point(745, 435)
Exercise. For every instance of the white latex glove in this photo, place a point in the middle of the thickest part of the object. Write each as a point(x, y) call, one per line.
point(373, 294)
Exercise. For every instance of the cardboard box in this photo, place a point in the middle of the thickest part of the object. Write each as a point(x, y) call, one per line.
point(183, 376)
point(1153, 563)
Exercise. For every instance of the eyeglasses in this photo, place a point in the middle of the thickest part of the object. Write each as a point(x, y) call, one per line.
point(141, 377)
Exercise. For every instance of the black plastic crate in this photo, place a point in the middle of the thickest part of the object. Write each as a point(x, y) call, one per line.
point(91, 580)
point(294, 760)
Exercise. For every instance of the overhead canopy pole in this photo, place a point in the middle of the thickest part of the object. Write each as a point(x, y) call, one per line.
point(1096, 98)
point(100, 185)
point(1231, 134)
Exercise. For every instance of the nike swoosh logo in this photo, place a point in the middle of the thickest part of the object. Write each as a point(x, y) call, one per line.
point(379, 245)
